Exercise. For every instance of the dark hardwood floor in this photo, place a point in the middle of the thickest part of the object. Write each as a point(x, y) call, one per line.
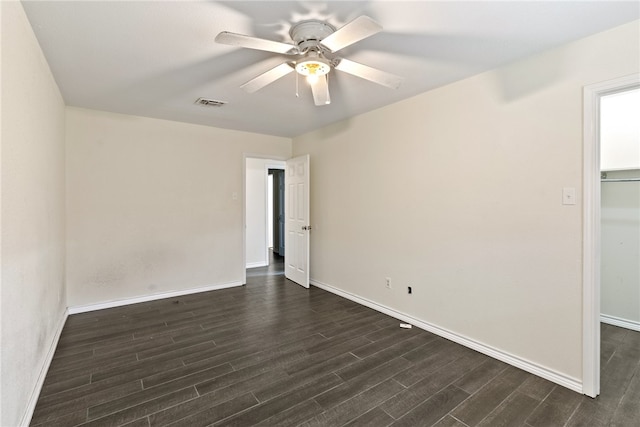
point(275, 354)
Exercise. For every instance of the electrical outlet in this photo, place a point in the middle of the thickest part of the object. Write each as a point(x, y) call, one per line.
point(409, 290)
point(388, 285)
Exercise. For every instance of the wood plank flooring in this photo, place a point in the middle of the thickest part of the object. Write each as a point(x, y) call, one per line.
point(274, 354)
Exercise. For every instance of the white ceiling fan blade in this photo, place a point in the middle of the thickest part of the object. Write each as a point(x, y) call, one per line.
point(267, 77)
point(369, 73)
point(320, 91)
point(241, 40)
point(356, 30)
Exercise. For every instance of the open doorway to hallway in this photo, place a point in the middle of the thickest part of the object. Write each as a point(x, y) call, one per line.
point(264, 216)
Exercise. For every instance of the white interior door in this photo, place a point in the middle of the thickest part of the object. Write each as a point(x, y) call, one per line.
point(297, 226)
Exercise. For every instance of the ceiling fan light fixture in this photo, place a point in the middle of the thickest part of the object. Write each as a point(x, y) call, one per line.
point(313, 66)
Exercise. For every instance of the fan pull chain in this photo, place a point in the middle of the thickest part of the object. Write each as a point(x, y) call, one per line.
point(297, 93)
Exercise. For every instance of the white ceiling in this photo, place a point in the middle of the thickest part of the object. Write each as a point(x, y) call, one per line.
point(155, 58)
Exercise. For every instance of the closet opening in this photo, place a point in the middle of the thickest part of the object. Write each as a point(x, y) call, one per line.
point(611, 236)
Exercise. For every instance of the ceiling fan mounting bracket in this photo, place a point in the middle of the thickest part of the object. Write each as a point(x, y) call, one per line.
point(308, 34)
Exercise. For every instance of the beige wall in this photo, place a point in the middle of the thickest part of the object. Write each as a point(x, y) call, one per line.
point(457, 193)
point(151, 207)
point(32, 215)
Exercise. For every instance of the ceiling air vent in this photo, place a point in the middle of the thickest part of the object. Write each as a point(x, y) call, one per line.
point(210, 102)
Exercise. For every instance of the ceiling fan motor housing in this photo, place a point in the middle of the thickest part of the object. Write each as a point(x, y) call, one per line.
point(308, 34)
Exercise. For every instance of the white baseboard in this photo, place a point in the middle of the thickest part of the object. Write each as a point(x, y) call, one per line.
point(541, 371)
point(118, 303)
point(35, 393)
point(618, 321)
point(257, 264)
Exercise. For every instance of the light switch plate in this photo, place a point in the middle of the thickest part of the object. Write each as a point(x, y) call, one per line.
point(568, 196)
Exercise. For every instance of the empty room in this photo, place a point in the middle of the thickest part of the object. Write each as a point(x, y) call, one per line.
point(320, 213)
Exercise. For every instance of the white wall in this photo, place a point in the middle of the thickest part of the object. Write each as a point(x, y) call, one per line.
point(256, 210)
point(620, 131)
point(32, 215)
point(620, 230)
point(151, 207)
point(457, 193)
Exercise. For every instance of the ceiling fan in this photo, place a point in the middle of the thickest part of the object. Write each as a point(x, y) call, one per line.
point(315, 43)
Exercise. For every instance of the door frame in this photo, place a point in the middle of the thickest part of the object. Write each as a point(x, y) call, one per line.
point(591, 226)
point(246, 156)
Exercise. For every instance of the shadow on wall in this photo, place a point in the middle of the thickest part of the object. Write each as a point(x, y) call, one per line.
point(526, 78)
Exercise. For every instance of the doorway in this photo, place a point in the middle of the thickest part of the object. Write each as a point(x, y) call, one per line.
point(295, 204)
point(592, 216)
point(259, 212)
